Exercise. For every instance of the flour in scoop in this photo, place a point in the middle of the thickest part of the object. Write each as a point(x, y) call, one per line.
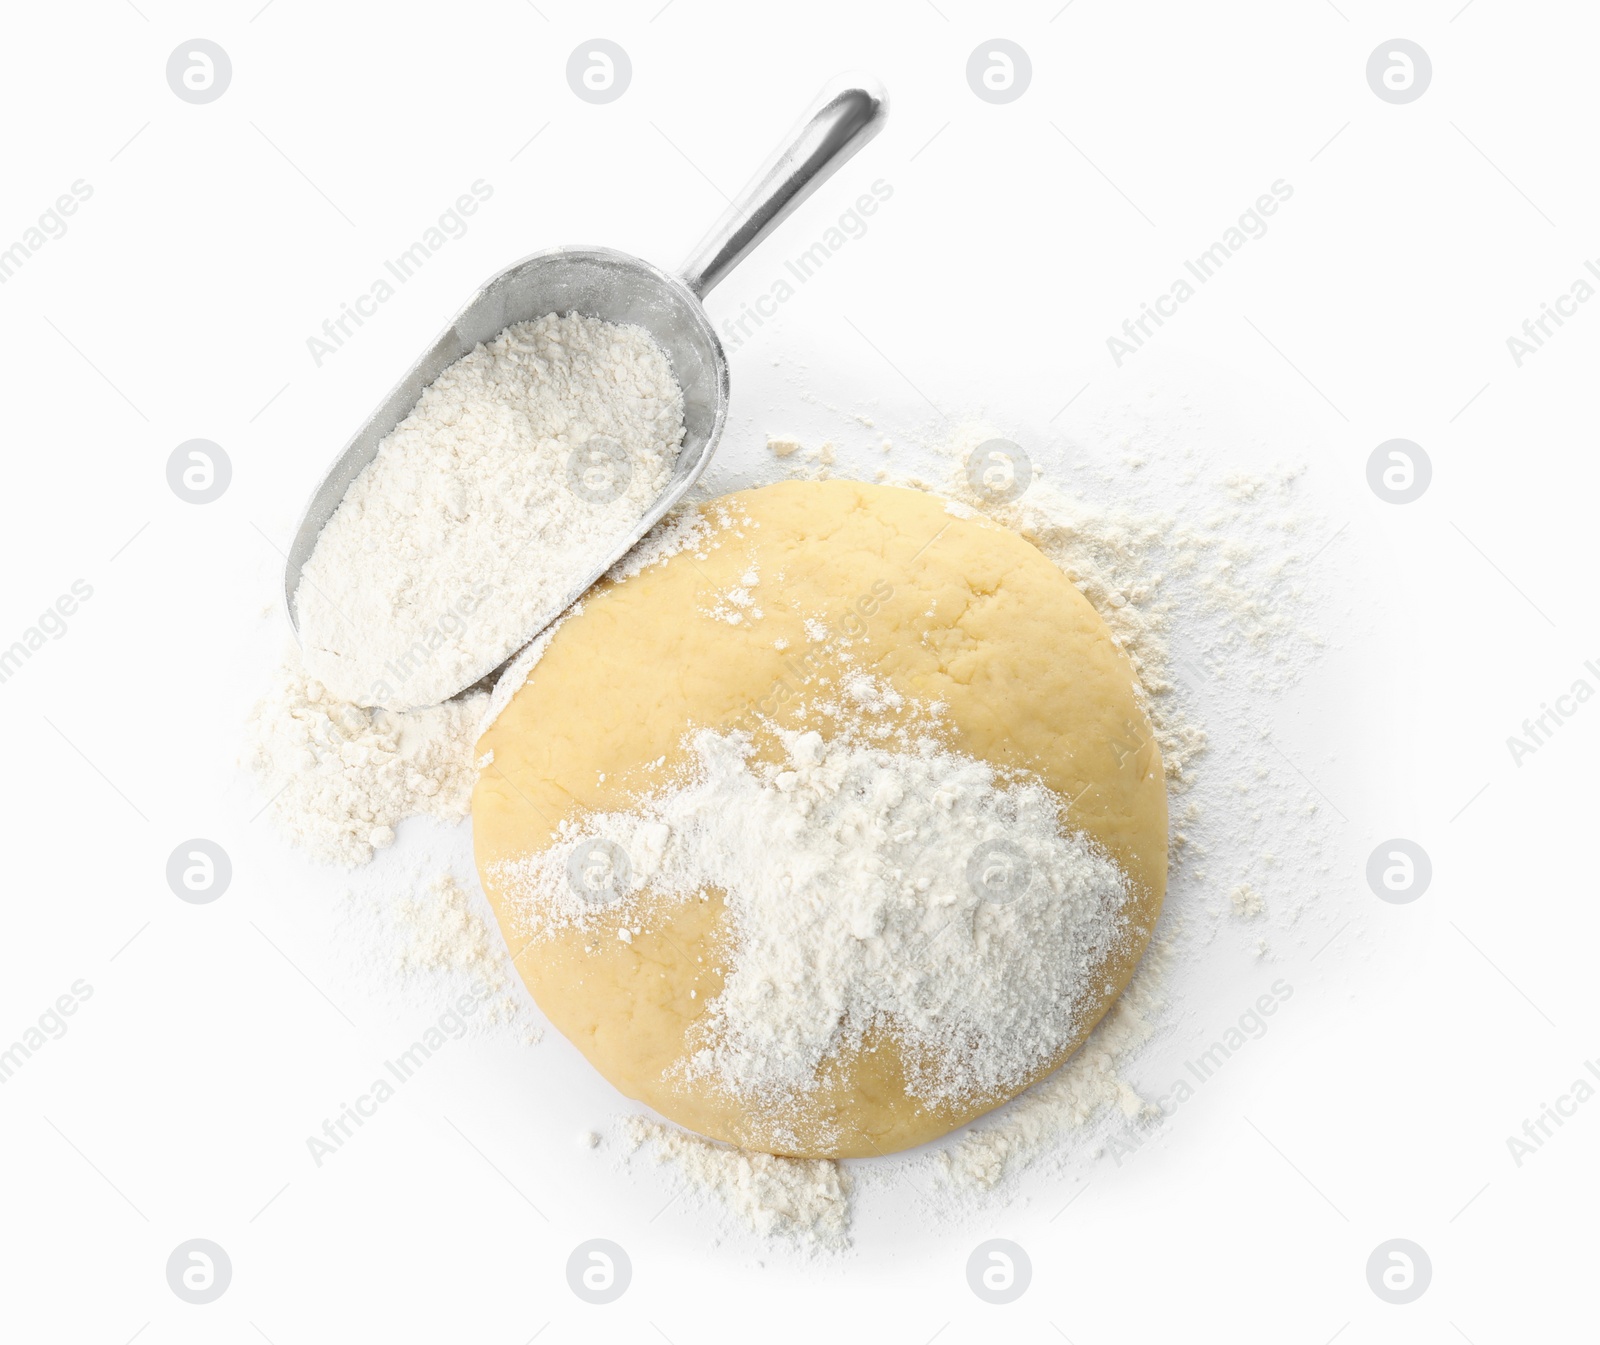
point(517, 474)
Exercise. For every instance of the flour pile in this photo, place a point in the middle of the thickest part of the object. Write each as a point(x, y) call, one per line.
point(906, 888)
point(339, 778)
point(516, 475)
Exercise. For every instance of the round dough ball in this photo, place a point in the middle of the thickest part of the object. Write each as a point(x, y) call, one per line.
point(943, 609)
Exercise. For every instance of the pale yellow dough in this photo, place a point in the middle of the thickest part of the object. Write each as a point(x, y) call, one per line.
point(945, 609)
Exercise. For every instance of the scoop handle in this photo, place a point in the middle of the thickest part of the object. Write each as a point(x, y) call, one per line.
point(848, 112)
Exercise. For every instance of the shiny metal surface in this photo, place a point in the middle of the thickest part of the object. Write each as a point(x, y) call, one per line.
point(848, 112)
point(616, 287)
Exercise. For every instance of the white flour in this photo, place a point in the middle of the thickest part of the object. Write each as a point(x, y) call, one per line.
point(441, 931)
point(1246, 901)
point(1087, 1085)
point(807, 1200)
point(868, 886)
point(339, 778)
point(520, 468)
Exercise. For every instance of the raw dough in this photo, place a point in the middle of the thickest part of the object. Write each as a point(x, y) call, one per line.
point(976, 618)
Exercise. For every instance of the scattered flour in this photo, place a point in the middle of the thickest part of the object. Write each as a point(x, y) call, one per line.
point(339, 777)
point(1088, 1084)
point(807, 1200)
point(512, 480)
point(1224, 570)
point(1246, 901)
point(442, 932)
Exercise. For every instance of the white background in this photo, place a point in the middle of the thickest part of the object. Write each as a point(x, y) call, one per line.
point(1018, 238)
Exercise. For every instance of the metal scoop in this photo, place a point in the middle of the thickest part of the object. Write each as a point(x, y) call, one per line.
point(603, 283)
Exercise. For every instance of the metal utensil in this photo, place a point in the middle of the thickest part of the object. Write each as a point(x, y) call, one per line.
point(616, 287)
